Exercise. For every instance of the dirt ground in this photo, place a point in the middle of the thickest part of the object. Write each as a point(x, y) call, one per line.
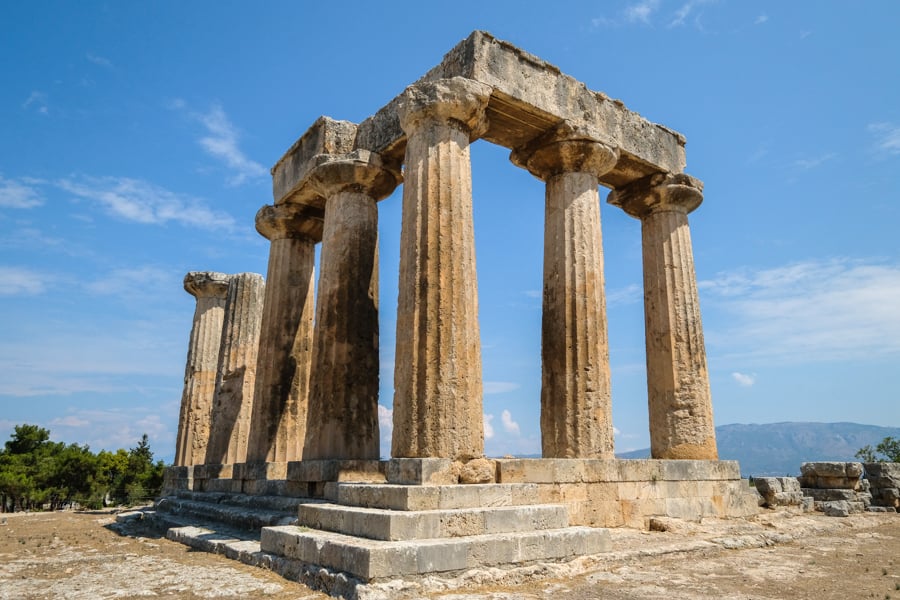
point(76, 556)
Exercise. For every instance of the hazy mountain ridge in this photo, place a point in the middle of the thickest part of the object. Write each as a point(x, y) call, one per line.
point(779, 448)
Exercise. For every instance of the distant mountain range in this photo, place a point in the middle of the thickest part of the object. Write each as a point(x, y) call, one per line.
point(777, 449)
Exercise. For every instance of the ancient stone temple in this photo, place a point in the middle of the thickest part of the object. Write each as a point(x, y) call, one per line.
point(305, 433)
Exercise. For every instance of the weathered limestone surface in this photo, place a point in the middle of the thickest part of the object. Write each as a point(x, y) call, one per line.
point(681, 420)
point(233, 403)
point(779, 491)
point(210, 289)
point(885, 483)
point(437, 377)
point(343, 405)
point(576, 404)
point(278, 421)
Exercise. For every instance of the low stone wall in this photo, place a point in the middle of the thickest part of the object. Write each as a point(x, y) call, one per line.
point(884, 479)
point(617, 493)
point(837, 488)
point(781, 491)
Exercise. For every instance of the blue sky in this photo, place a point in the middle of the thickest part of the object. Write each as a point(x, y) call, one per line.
point(136, 139)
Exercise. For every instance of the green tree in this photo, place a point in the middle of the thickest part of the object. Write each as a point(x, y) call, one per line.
point(888, 448)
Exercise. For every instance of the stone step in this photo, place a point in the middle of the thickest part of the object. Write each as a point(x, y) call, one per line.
point(284, 504)
point(376, 559)
point(432, 497)
point(237, 517)
point(384, 524)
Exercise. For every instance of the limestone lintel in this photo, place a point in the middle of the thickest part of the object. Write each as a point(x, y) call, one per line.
point(325, 136)
point(290, 221)
point(658, 192)
point(566, 149)
point(455, 100)
point(201, 284)
point(358, 171)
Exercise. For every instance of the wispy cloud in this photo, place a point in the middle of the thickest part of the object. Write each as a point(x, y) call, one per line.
point(143, 202)
point(221, 142)
point(135, 282)
point(806, 312)
point(385, 428)
point(111, 429)
point(36, 101)
point(761, 19)
point(629, 294)
point(488, 426)
point(500, 387)
point(15, 281)
point(99, 60)
point(744, 379)
point(509, 425)
point(18, 194)
point(888, 137)
point(640, 11)
point(813, 162)
point(685, 10)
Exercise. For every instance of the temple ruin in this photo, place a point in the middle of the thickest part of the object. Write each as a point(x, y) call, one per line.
point(293, 413)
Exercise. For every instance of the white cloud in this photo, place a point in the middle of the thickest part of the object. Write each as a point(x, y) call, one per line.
point(136, 281)
point(617, 431)
point(806, 312)
point(888, 136)
point(488, 426)
point(812, 163)
point(221, 142)
point(143, 202)
point(37, 101)
point(509, 425)
point(500, 387)
point(640, 11)
point(99, 60)
point(629, 294)
point(743, 379)
point(111, 429)
point(18, 194)
point(761, 19)
point(685, 10)
point(533, 293)
point(385, 428)
point(15, 281)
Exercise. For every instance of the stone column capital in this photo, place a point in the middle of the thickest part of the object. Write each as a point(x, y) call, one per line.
point(359, 171)
point(457, 101)
point(660, 192)
point(289, 221)
point(203, 284)
point(566, 149)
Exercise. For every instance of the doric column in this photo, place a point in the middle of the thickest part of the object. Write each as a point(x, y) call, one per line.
point(576, 406)
point(343, 402)
point(233, 402)
point(210, 290)
point(437, 375)
point(278, 424)
point(681, 419)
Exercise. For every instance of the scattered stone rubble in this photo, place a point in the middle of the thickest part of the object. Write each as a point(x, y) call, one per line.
point(837, 489)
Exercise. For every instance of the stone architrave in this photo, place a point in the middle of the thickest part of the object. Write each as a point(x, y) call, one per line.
point(437, 376)
point(576, 404)
point(278, 423)
point(343, 402)
point(233, 402)
point(210, 289)
point(680, 406)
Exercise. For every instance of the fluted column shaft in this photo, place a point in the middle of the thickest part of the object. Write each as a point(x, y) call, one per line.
point(233, 403)
point(437, 376)
point(681, 417)
point(281, 392)
point(576, 404)
point(343, 404)
point(210, 289)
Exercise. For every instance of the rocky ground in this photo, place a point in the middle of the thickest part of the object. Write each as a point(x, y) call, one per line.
point(75, 556)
